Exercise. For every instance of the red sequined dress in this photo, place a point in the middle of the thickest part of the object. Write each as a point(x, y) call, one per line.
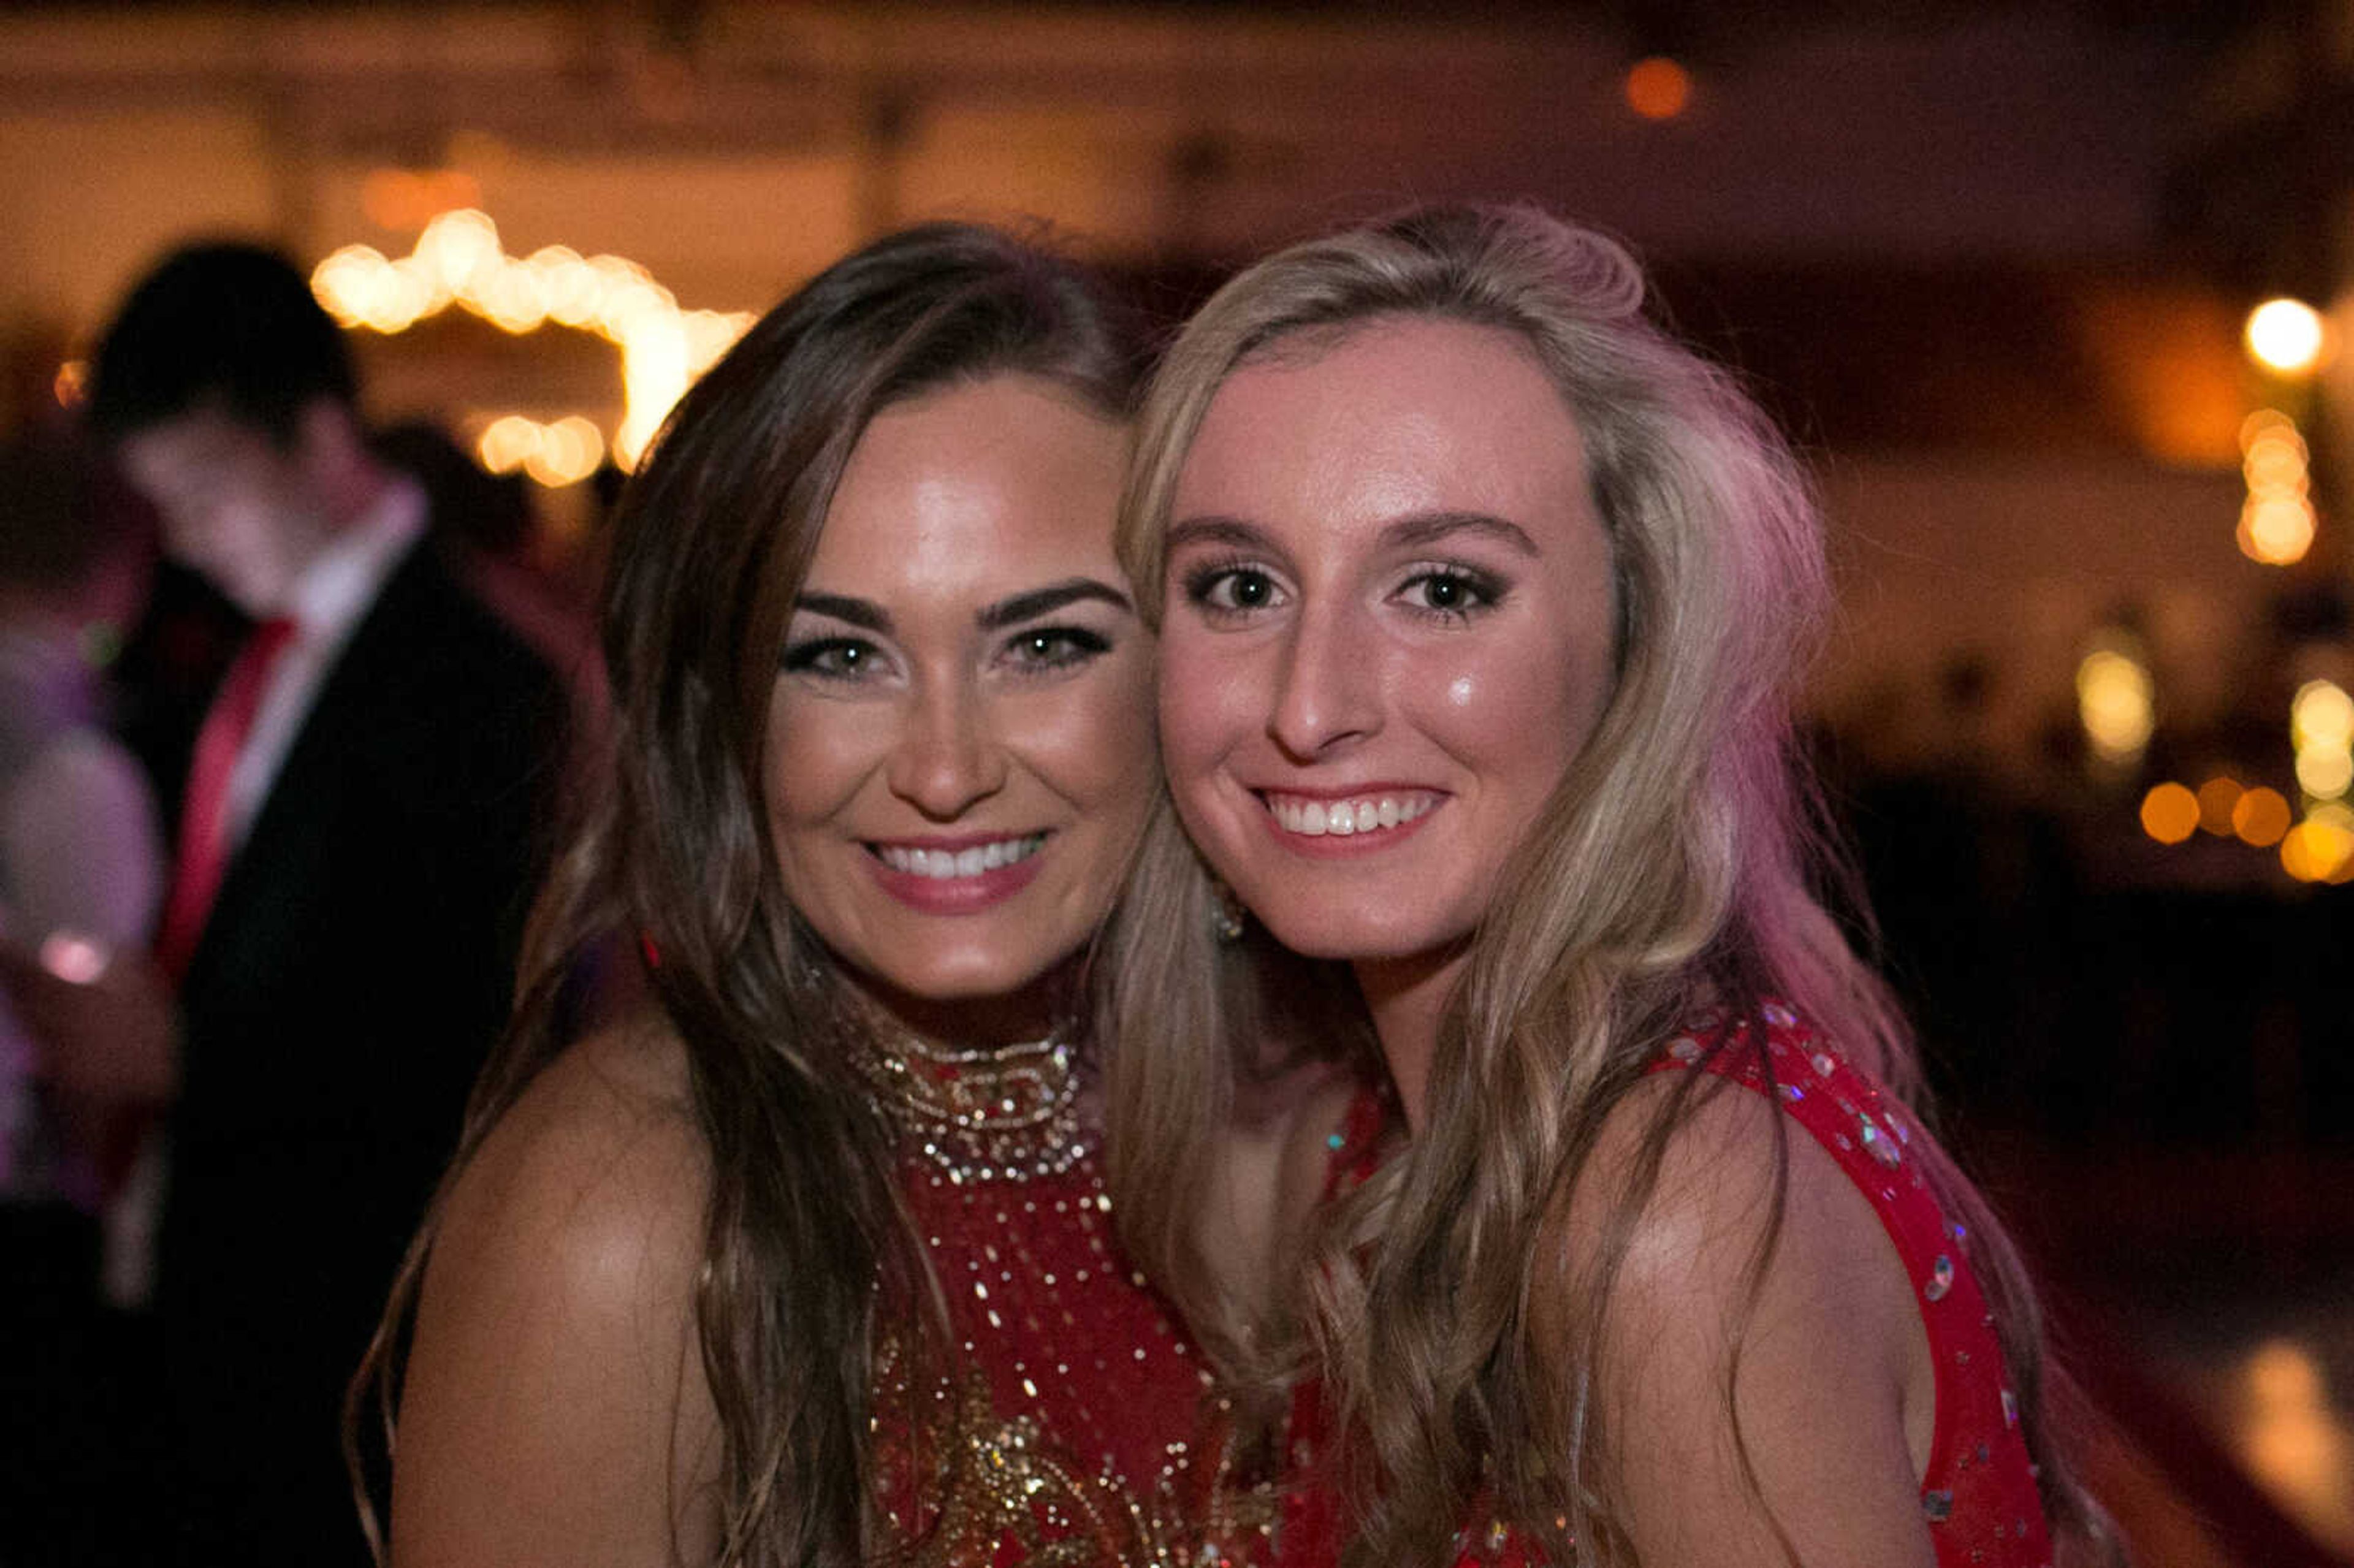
point(1076, 1423)
point(1977, 1491)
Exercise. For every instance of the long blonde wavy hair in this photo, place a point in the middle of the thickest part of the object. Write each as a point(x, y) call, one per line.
point(1681, 862)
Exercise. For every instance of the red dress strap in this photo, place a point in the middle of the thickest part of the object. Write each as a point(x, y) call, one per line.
point(1979, 1488)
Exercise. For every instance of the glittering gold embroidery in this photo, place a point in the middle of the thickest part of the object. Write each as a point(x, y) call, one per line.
point(1000, 1482)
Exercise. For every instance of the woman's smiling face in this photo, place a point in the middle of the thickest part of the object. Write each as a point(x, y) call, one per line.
point(959, 751)
point(1388, 630)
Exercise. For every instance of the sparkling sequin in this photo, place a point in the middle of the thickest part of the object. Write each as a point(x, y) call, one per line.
point(1940, 1280)
point(1938, 1506)
point(2009, 1408)
point(1877, 1143)
point(1684, 1048)
point(987, 1457)
point(1010, 1113)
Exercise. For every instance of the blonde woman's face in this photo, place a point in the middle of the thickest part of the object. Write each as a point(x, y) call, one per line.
point(1387, 631)
point(960, 748)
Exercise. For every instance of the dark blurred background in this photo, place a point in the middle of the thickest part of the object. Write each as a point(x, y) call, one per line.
point(1994, 266)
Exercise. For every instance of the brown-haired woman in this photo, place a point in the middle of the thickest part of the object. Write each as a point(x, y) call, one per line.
point(1482, 603)
point(812, 1263)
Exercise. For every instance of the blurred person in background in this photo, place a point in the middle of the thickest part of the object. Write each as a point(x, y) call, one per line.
point(81, 874)
point(354, 850)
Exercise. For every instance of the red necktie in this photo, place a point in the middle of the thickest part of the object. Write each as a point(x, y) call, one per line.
point(204, 819)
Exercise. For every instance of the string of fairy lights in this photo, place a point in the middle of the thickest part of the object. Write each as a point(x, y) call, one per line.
point(459, 262)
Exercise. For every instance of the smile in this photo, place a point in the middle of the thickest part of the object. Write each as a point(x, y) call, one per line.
point(947, 864)
point(1349, 817)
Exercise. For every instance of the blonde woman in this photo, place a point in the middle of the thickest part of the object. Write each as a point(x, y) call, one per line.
point(1482, 603)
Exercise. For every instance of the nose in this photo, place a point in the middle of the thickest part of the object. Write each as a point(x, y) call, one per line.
point(945, 758)
point(1328, 693)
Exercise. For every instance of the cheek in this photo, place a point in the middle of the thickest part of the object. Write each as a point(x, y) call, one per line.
point(1516, 710)
point(1210, 698)
point(1092, 744)
point(817, 753)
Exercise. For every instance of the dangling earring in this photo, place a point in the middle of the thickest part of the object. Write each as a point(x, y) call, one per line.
point(1226, 912)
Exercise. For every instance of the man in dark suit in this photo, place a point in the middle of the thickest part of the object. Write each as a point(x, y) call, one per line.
point(356, 847)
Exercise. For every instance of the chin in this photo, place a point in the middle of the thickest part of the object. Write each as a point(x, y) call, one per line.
point(1353, 936)
point(979, 980)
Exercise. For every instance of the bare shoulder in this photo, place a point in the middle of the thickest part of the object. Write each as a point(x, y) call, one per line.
point(554, 1408)
point(596, 1172)
point(1749, 1337)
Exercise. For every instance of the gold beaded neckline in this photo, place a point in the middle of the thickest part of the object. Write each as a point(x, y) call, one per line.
point(1006, 1114)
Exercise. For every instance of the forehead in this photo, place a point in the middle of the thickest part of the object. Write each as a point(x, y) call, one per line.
point(972, 490)
point(1402, 414)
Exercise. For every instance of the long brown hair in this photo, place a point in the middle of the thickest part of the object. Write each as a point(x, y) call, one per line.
point(1682, 861)
point(712, 540)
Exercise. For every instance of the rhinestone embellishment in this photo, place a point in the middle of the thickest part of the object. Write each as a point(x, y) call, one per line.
point(1006, 1115)
point(1938, 1506)
point(1940, 1278)
point(1876, 1139)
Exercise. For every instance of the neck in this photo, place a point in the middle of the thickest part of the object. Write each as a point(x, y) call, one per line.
point(974, 1023)
point(1407, 997)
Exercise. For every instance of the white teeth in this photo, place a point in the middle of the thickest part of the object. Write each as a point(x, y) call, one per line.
point(940, 866)
point(1317, 819)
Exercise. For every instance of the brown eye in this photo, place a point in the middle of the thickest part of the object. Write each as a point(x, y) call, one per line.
point(1232, 589)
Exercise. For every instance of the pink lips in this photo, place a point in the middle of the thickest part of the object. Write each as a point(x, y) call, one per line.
point(955, 895)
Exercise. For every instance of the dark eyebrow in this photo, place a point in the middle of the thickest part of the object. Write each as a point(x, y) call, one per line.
point(857, 611)
point(1430, 527)
point(1041, 601)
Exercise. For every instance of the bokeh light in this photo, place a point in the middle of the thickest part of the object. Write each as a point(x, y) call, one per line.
point(2218, 798)
point(2169, 813)
point(2321, 847)
point(1658, 88)
point(2115, 701)
point(2277, 530)
point(2262, 818)
point(2287, 336)
point(459, 260)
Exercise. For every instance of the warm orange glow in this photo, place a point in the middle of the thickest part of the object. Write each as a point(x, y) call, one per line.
point(459, 260)
point(2293, 1440)
point(2262, 818)
point(2116, 703)
point(565, 453)
point(2321, 847)
point(1658, 88)
point(405, 200)
point(2275, 529)
point(507, 443)
point(2169, 813)
point(2218, 798)
point(2287, 336)
point(2324, 772)
point(2277, 461)
point(71, 384)
point(2321, 714)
